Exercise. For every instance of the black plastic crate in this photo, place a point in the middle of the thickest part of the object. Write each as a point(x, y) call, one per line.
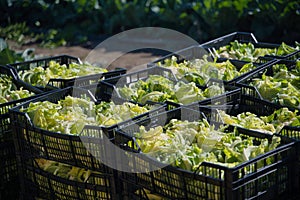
point(9, 179)
point(8, 171)
point(247, 89)
point(40, 184)
point(59, 83)
point(256, 106)
point(75, 150)
point(197, 52)
point(108, 87)
point(241, 37)
point(254, 179)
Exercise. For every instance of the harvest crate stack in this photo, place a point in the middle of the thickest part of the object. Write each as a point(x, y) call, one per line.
point(38, 148)
point(56, 165)
point(39, 76)
point(216, 121)
point(13, 92)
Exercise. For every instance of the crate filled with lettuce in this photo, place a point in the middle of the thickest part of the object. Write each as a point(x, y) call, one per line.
point(277, 83)
point(244, 46)
point(158, 84)
point(71, 127)
point(180, 155)
point(194, 64)
point(254, 114)
point(62, 71)
point(257, 115)
point(57, 125)
point(13, 92)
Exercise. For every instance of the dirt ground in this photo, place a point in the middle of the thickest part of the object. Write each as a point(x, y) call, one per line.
point(130, 61)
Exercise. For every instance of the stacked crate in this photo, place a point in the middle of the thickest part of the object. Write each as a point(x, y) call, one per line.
point(8, 165)
point(272, 175)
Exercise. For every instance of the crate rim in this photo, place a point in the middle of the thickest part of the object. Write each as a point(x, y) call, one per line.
point(8, 71)
point(210, 44)
point(153, 63)
point(48, 86)
point(231, 34)
point(140, 71)
point(177, 53)
point(43, 59)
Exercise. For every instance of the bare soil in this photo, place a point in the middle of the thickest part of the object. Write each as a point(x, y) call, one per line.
point(130, 61)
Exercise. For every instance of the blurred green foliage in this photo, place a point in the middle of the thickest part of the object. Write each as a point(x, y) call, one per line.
point(8, 55)
point(61, 22)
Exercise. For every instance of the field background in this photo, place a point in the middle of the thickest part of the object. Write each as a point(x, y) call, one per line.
point(74, 27)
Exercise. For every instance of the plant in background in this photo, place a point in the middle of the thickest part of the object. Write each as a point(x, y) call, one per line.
point(73, 22)
point(8, 55)
point(15, 32)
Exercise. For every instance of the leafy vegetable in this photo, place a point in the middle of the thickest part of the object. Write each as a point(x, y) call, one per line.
point(64, 170)
point(247, 120)
point(285, 49)
point(248, 52)
point(201, 70)
point(71, 114)
point(283, 87)
point(150, 195)
point(67, 116)
point(187, 144)
point(72, 173)
point(108, 113)
point(9, 91)
point(39, 76)
point(283, 117)
point(8, 55)
point(159, 89)
point(267, 124)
